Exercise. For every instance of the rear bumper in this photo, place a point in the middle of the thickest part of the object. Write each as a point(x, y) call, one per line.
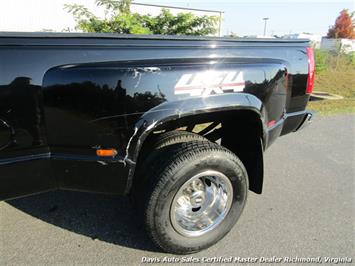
point(296, 121)
point(307, 119)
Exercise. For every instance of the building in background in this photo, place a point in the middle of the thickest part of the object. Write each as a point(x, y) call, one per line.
point(259, 36)
point(314, 38)
point(40, 15)
point(324, 43)
point(343, 45)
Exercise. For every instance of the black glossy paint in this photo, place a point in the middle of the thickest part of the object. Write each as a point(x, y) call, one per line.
point(63, 97)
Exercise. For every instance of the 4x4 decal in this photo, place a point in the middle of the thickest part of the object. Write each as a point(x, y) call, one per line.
point(210, 82)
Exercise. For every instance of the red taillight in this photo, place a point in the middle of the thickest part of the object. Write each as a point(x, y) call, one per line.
point(311, 69)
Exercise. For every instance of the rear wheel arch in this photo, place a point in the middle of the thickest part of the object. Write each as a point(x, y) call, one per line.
point(241, 131)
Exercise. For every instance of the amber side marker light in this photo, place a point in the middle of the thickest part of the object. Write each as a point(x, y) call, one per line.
point(106, 152)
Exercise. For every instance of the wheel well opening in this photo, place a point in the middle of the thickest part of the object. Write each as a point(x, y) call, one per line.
point(239, 131)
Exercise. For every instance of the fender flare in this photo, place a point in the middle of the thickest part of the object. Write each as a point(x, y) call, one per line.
point(170, 111)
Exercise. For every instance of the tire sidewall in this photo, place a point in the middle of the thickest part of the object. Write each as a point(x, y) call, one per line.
point(217, 161)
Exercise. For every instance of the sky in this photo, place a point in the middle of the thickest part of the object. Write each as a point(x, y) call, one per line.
point(285, 17)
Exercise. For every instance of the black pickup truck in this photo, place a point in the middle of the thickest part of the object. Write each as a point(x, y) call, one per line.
point(179, 124)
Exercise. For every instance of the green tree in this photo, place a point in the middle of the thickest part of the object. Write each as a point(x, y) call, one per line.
point(119, 19)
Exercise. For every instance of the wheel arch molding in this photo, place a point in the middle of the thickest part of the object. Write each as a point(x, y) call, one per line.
point(163, 115)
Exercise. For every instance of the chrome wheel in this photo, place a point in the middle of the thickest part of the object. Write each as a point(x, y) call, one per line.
point(201, 203)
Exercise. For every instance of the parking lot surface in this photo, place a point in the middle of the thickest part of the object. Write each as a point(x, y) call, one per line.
point(306, 210)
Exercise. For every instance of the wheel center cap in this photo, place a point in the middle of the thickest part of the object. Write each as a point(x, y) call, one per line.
point(197, 198)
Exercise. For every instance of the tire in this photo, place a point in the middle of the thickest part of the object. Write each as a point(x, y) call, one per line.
point(174, 137)
point(169, 179)
point(164, 140)
point(153, 152)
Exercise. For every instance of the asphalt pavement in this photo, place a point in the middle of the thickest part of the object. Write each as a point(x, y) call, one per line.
point(307, 210)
